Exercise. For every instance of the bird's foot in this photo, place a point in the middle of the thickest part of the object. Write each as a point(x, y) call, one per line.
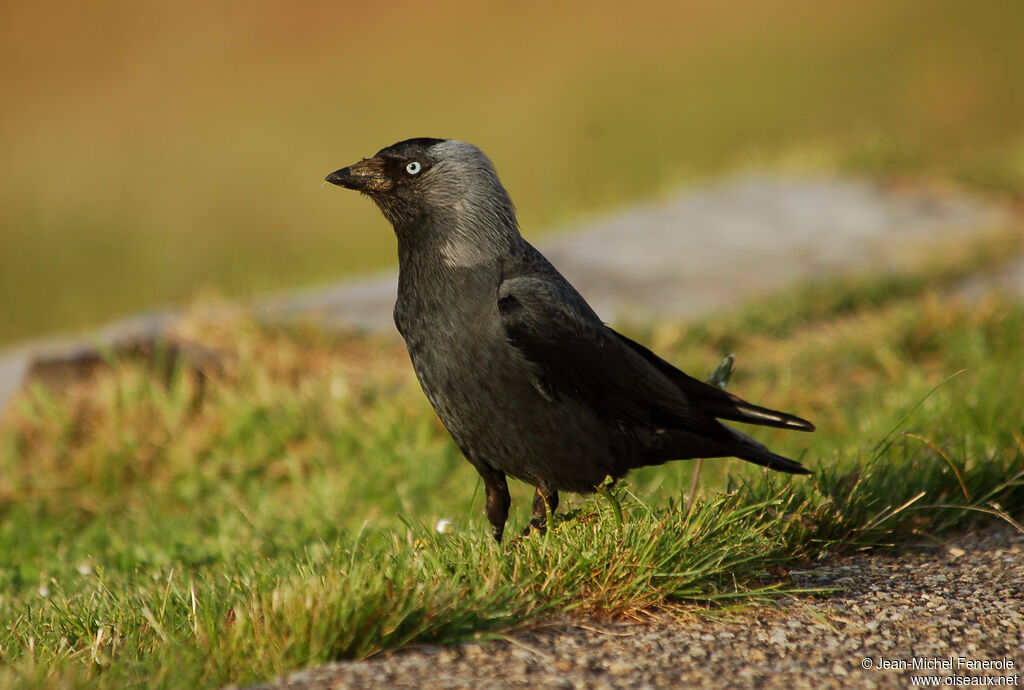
point(535, 525)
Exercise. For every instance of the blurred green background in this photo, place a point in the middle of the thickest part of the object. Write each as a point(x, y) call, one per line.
point(154, 151)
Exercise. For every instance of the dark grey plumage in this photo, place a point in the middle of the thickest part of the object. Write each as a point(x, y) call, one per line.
point(524, 375)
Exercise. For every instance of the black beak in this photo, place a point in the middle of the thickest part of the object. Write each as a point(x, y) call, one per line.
point(365, 176)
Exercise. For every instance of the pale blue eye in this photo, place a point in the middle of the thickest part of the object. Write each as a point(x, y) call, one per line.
point(413, 167)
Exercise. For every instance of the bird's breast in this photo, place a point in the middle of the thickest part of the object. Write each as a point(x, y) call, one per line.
point(458, 348)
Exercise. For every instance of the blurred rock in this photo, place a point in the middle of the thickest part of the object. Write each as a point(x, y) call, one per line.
point(677, 257)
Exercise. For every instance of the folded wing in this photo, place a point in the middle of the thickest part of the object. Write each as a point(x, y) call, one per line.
point(574, 353)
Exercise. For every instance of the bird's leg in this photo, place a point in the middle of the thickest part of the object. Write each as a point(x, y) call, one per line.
point(498, 501)
point(544, 504)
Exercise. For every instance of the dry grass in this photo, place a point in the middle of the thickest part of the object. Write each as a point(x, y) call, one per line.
point(163, 532)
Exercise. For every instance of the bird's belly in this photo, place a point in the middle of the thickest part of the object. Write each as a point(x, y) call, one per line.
point(481, 388)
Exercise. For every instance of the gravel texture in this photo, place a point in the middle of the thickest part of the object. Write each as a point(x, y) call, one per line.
point(960, 604)
point(680, 257)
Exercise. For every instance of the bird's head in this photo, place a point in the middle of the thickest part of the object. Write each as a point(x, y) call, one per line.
point(435, 189)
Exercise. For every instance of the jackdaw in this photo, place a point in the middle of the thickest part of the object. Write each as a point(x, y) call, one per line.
point(529, 382)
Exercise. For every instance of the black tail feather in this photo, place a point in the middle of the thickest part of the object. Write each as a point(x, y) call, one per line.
point(768, 459)
point(715, 401)
point(739, 410)
point(723, 442)
point(750, 450)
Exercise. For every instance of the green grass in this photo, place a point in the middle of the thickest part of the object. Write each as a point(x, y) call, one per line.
point(158, 531)
point(174, 531)
point(154, 151)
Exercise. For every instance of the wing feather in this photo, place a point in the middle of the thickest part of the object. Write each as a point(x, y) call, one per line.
point(575, 353)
